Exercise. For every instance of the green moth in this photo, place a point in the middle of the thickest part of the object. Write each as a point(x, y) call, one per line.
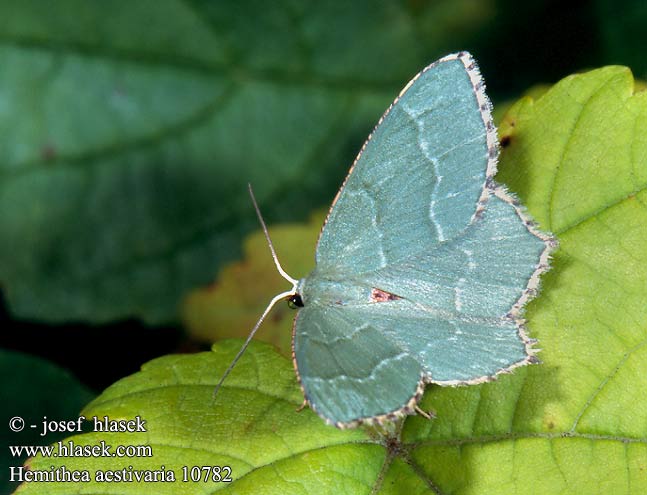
point(424, 263)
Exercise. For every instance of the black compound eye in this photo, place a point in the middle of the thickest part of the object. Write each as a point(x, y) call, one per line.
point(295, 301)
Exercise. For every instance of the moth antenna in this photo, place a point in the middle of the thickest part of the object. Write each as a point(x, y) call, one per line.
point(269, 241)
point(274, 300)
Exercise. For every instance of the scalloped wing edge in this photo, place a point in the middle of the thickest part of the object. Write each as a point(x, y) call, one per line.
point(490, 187)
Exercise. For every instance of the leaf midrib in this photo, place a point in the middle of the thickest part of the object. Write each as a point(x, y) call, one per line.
point(514, 436)
point(303, 78)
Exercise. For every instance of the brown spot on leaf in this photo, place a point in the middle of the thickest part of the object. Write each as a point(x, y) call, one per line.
point(48, 152)
point(212, 286)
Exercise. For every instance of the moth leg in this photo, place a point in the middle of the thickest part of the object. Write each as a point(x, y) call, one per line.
point(302, 406)
point(425, 414)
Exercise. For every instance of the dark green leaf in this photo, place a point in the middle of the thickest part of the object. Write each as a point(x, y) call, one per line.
point(33, 389)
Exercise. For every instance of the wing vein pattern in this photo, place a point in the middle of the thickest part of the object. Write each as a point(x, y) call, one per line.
point(418, 218)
